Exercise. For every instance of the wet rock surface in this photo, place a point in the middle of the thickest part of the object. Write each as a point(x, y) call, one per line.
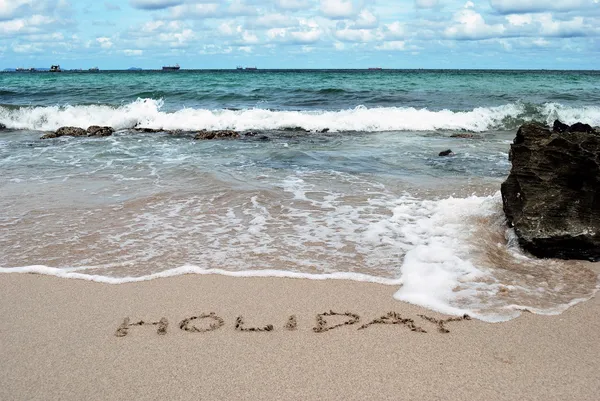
point(96, 130)
point(465, 136)
point(552, 195)
point(93, 130)
point(224, 134)
point(65, 131)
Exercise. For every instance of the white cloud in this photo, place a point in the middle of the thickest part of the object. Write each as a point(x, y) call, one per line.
point(394, 30)
point(394, 45)
point(519, 19)
point(25, 26)
point(27, 48)
point(366, 19)
point(11, 8)
point(311, 36)
point(239, 8)
point(249, 38)
point(187, 11)
point(227, 28)
point(356, 35)
point(272, 21)
point(154, 4)
point(426, 3)
point(534, 6)
point(337, 8)
point(104, 42)
point(571, 28)
point(133, 52)
point(470, 25)
point(293, 4)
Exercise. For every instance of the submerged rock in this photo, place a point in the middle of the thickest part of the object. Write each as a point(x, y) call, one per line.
point(552, 195)
point(465, 136)
point(96, 130)
point(447, 152)
point(224, 134)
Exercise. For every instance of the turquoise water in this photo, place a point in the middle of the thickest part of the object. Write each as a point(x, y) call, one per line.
point(339, 178)
point(304, 90)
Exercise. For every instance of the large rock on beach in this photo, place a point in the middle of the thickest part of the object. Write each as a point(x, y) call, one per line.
point(552, 195)
point(224, 134)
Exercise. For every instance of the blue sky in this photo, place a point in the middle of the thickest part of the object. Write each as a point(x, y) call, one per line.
point(551, 34)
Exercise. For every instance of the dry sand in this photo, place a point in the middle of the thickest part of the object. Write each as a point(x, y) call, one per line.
point(57, 341)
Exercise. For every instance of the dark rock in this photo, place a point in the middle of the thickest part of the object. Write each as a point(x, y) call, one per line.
point(2, 127)
point(96, 130)
point(251, 133)
point(580, 127)
point(66, 131)
point(559, 127)
point(300, 129)
point(552, 195)
point(324, 130)
point(263, 138)
point(466, 136)
point(447, 152)
point(224, 134)
point(148, 130)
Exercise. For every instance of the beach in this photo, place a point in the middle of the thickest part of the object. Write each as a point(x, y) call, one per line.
point(58, 340)
point(319, 247)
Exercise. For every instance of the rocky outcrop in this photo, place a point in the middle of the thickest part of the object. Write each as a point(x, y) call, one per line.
point(66, 131)
point(552, 195)
point(447, 152)
point(225, 134)
point(93, 130)
point(2, 127)
point(96, 130)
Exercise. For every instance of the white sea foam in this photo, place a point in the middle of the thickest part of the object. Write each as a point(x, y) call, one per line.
point(147, 113)
point(191, 269)
point(427, 248)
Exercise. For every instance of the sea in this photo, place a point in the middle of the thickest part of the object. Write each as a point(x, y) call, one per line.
point(336, 175)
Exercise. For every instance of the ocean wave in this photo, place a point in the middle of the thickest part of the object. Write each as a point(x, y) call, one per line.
point(450, 255)
point(147, 113)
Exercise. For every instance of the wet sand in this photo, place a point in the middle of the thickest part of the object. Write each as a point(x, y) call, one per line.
point(58, 341)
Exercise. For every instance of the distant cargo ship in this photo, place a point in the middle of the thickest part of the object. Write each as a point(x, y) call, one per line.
point(375, 68)
point(55, 68)
point(94, 69)
point(171, 67)
point(251, 68)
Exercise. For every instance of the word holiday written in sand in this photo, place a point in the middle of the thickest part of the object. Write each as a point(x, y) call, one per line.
point(211, 322)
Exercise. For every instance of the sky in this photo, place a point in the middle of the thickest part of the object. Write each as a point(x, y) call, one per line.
point(198, 34)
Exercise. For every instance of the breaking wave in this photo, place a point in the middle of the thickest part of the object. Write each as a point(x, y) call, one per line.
point(148, 113)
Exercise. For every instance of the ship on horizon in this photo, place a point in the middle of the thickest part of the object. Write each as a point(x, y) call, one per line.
point(171, 67)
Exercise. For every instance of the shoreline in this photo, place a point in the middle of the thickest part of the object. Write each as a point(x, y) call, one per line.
point(60, 343)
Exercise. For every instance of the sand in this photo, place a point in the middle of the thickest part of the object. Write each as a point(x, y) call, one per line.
point(57, 341)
